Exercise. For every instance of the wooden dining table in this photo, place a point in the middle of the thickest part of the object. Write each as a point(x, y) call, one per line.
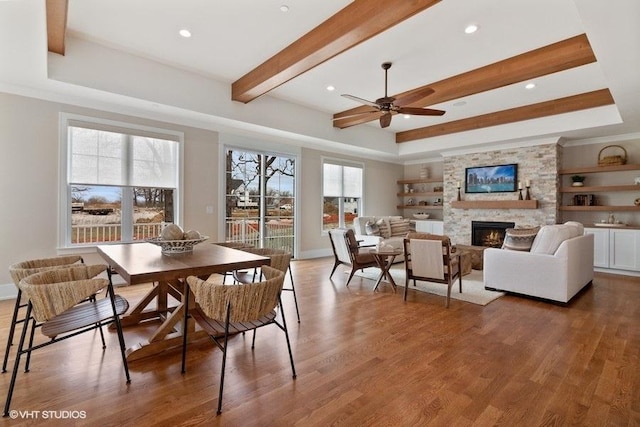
point(139, 263)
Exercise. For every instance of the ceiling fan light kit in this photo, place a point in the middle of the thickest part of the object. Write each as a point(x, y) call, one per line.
point(389, 105)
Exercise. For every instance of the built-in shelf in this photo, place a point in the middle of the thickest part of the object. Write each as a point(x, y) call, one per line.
point(419, 180)
point(422, 193)
point(600, 208)
point(494, 204)
point(600, 188)
point(428, 207)
point(596, 169)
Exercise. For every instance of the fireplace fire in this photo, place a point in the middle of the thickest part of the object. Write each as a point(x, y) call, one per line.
point(489, 233)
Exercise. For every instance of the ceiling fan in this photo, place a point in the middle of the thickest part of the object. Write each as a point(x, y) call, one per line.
point(388, 105)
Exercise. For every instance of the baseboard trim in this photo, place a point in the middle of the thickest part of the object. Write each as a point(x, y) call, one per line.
point(8, 291)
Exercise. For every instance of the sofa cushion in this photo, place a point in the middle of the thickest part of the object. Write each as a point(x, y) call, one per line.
point(519, 239)
point(383, 226)
point(550, 237)
point(399, 226)
point(372, 228)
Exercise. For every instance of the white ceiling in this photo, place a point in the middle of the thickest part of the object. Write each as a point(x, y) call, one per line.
point(231, 38)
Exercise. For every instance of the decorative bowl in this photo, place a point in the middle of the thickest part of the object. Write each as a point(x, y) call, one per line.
point(421, 215)
point(176, 246)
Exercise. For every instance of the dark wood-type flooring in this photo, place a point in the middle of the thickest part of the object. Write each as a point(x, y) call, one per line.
point(365, 359)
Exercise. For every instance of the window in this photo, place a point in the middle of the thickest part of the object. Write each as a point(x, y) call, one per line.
point(341, 192)
point(260, 199)
point(121, 183)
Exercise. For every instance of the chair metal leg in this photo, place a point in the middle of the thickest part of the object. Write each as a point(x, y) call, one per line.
point(295, 298)
point(14, 322)
point(224, 360)
point(286, 334)
point(16, 364)
point(116, 319)
point(33, 332)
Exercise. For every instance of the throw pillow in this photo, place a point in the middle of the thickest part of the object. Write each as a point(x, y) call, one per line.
point(383, 226)
point(399, 228)
point(519, 239)
point(372, 228)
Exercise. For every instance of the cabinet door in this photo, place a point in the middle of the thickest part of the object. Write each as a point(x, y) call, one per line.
point(600, 246)
point(624, 249)
point(430, 226)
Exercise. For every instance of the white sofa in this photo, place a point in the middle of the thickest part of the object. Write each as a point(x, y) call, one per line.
point(392, 231)
point(558, 266)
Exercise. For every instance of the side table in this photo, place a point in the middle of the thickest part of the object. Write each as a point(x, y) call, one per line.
point(384, 259)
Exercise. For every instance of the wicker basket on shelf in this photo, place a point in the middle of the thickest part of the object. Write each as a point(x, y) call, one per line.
point(612, 160)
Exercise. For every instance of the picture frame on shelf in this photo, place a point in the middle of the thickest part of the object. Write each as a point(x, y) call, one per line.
point(491, 179)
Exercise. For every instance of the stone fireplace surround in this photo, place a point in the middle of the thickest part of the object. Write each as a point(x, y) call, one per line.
point(537, 161)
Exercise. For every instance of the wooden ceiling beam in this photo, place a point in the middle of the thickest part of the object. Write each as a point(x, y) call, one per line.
point(563, 55)
point(56, 25)
point(568, 104)
point(357, 22)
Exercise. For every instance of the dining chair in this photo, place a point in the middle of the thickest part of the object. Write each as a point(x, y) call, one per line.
point(223, 310)
point(429, 258)
point(60, 306)
point(346, 251)
point(232, 245)
point(280, 259)
point(18, 272)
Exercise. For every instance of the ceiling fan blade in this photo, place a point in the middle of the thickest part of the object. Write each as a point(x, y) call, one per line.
point(360, 100)
point(412, 97)
point(353, 115)
point(420, 111)
point(385, 120)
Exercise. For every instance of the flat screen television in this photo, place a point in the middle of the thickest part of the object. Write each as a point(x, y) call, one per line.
point(491, 179)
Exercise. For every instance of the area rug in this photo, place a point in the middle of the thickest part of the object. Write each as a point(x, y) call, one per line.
point(473, 290)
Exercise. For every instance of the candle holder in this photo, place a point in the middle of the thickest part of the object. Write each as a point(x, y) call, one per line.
point(519, 193)
point(459, 194)
point(528, 195)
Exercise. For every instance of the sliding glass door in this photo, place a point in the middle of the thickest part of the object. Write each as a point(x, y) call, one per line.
point(260, 199)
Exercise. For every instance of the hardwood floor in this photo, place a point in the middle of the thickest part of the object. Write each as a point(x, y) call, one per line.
point(365, 358)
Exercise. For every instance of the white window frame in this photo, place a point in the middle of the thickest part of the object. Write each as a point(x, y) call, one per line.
point(339, 162)
point(64, 192)
point(260, 146)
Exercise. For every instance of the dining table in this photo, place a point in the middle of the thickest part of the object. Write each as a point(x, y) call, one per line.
point(143, 262)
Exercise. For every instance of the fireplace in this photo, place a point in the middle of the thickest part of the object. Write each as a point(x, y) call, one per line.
point(489, 233)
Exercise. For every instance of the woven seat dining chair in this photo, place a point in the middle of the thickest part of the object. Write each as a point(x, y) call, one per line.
point(280, 259)
point(429, 257)
point(222, 310)
point(18, 272)
point(60, 306)
point(232, 245)
point(346, 250)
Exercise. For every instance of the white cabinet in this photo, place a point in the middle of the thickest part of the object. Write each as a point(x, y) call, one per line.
point(430, 226)
point(600, 246)
point(624, 249)
point(616, 249)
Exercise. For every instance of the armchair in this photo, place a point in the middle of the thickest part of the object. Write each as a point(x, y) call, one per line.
point(347, 251)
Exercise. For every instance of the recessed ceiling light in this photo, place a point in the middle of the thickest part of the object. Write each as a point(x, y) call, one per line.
point(459, 103)
point(284, 8)
point(407, 116)
point(530, 85)
point(471, 28)
point(331, 88)
point(185, 33)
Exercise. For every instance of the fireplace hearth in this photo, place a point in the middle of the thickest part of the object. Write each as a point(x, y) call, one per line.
point(489, 233)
